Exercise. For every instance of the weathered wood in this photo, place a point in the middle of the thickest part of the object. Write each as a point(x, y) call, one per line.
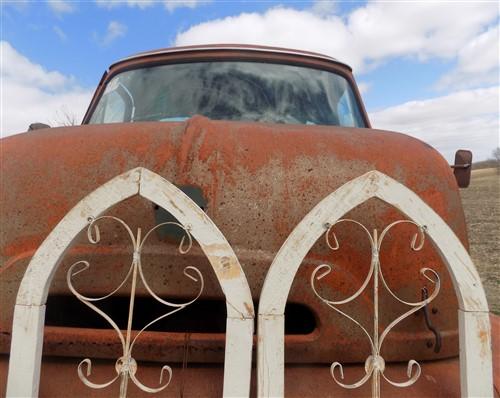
point(476, 373)
point(466, 281)
point(27, 335)
point(238, 357)
point(27, 338)
point(270, 355)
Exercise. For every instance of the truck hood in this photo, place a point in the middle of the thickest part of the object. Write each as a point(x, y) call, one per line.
point(257, 181)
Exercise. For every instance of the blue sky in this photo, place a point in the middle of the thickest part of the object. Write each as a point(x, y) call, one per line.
point(427, 69)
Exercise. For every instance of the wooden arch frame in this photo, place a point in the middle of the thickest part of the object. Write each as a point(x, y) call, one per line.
point(474, 324)
point(29, 313)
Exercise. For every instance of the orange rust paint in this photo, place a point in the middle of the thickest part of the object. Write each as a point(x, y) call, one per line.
point(259, 180)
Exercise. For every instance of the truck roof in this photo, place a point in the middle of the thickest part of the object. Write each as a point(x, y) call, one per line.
point(239, 47)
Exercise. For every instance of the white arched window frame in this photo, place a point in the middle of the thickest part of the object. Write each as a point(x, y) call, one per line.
point(474, 324)
point(29, 313)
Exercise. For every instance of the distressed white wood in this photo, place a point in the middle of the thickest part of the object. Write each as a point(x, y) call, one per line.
point(238, 357)
point(27, 337)
point(467, 285)
point(27, 332)
point(270, 355)
point(476, 373)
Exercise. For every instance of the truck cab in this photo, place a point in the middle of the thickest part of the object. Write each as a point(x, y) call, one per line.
point(256, 137)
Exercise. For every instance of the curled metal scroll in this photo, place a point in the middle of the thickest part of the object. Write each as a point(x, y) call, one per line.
point(375, 363)
point(126, 365)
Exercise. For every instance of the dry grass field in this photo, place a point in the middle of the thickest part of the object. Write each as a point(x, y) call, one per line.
point(481, 203)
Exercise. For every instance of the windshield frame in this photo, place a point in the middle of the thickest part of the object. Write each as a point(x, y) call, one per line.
point(228, 56)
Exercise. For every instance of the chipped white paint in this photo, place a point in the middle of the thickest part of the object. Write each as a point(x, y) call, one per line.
point(27, 331)
point(475, 354)
point(238, 357)
point(270, 355)
point(23, 380)
point(468, 288)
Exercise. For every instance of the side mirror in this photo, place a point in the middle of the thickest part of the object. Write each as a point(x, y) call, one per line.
point(462, 167)
point(38, 126)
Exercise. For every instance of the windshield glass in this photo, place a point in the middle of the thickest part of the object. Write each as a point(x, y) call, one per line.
point(247, 91)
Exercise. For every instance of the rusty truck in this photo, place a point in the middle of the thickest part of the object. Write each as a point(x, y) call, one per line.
point(255, 137)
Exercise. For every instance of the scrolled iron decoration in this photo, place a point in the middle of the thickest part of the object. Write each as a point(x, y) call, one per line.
point(375, 363)
point(126, 365)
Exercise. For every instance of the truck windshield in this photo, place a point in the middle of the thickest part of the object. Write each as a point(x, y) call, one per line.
point(246, 91)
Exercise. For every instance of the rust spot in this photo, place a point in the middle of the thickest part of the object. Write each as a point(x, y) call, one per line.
point(483, 336)
point(231, 270)
point(173, 204)
point(248, 307)
point(226, 262)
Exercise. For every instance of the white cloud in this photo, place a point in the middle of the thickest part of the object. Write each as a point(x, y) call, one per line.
point(364, 87)
point(466, 119)
point(20, 70)
point(170, 5)
point(369, 35)
point(478, 62)
point(379, 31)
point(32, 94)
point(61, 6)
point(114, 31)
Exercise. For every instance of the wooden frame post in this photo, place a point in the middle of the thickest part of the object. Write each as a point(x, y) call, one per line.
point(27, 330)
point(474, 325)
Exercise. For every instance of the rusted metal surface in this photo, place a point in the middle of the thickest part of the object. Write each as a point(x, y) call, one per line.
point(228, 47)
point(439, 379)
point(375, 363)
point(29, 313)
point(126, 365)
point(259, 181)
point(474, 327)
point(463, 167)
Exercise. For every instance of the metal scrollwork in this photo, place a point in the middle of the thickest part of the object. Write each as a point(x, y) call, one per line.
point(375, 363)
point(126, 365)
